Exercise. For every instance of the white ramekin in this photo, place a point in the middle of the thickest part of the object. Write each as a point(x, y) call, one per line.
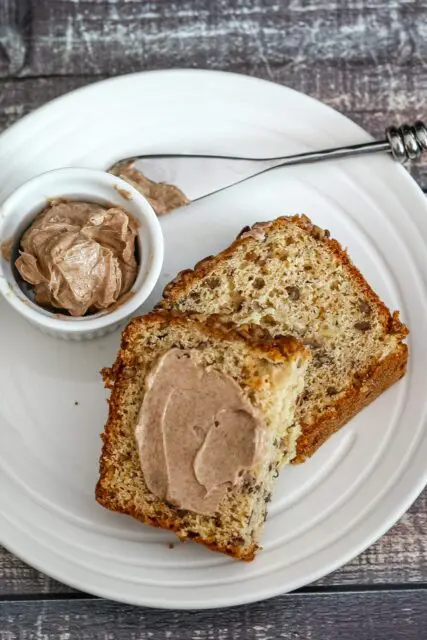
point(20, 209)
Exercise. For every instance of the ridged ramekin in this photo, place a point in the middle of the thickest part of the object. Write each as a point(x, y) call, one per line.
point(20, 209)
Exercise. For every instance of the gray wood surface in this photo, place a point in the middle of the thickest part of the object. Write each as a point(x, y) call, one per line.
point(366, 58)
point(398, 558)
point(380, 615)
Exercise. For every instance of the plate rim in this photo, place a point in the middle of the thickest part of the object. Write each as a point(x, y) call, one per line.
point(395, 515)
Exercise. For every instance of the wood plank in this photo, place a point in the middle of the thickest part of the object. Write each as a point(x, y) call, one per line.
point(399, 557)
point(18, 579)
point(15, 22)
point(20, 96)
point(116, 36)
point(363, 57)
point(382, 615)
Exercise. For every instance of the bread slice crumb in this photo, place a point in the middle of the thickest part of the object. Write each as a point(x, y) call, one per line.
point(290, 277)
point(270, 373)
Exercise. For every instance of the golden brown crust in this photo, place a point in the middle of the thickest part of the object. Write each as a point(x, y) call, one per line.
point(391, 322)
point(372, 384)
point(223, 328)
point(116, 378)
point(376, 380)
point(184, 281)
point(274, 348)
point(104, 498)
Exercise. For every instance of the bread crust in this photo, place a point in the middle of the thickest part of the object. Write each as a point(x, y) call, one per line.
point(104, 498)
point(274, 348)
point(373, 382)
point(117, 377)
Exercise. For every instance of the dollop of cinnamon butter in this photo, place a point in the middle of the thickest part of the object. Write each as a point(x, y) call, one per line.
point(79, 256)
point(163, 197)
point(196, 433)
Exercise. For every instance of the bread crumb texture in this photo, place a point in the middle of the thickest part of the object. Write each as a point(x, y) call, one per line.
point(270, 373)
point(289, 277)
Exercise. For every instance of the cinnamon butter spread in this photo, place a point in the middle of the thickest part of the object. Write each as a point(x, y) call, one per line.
point(162, 196)
point(79, 256)
point(6, 249)
point(257, 232)
point(195, 433)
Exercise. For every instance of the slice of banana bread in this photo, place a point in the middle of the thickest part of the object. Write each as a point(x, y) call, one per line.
point(290, 277)
point(268, 374)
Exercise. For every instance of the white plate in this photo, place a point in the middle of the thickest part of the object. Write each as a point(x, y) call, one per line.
point(325, 511)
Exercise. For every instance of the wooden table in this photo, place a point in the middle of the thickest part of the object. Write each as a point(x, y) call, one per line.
point(366, 58)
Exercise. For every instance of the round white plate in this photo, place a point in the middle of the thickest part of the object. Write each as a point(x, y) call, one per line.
point(52, 403)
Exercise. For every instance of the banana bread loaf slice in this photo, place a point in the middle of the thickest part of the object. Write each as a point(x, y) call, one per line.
point(290, 277)
point(199, 416)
